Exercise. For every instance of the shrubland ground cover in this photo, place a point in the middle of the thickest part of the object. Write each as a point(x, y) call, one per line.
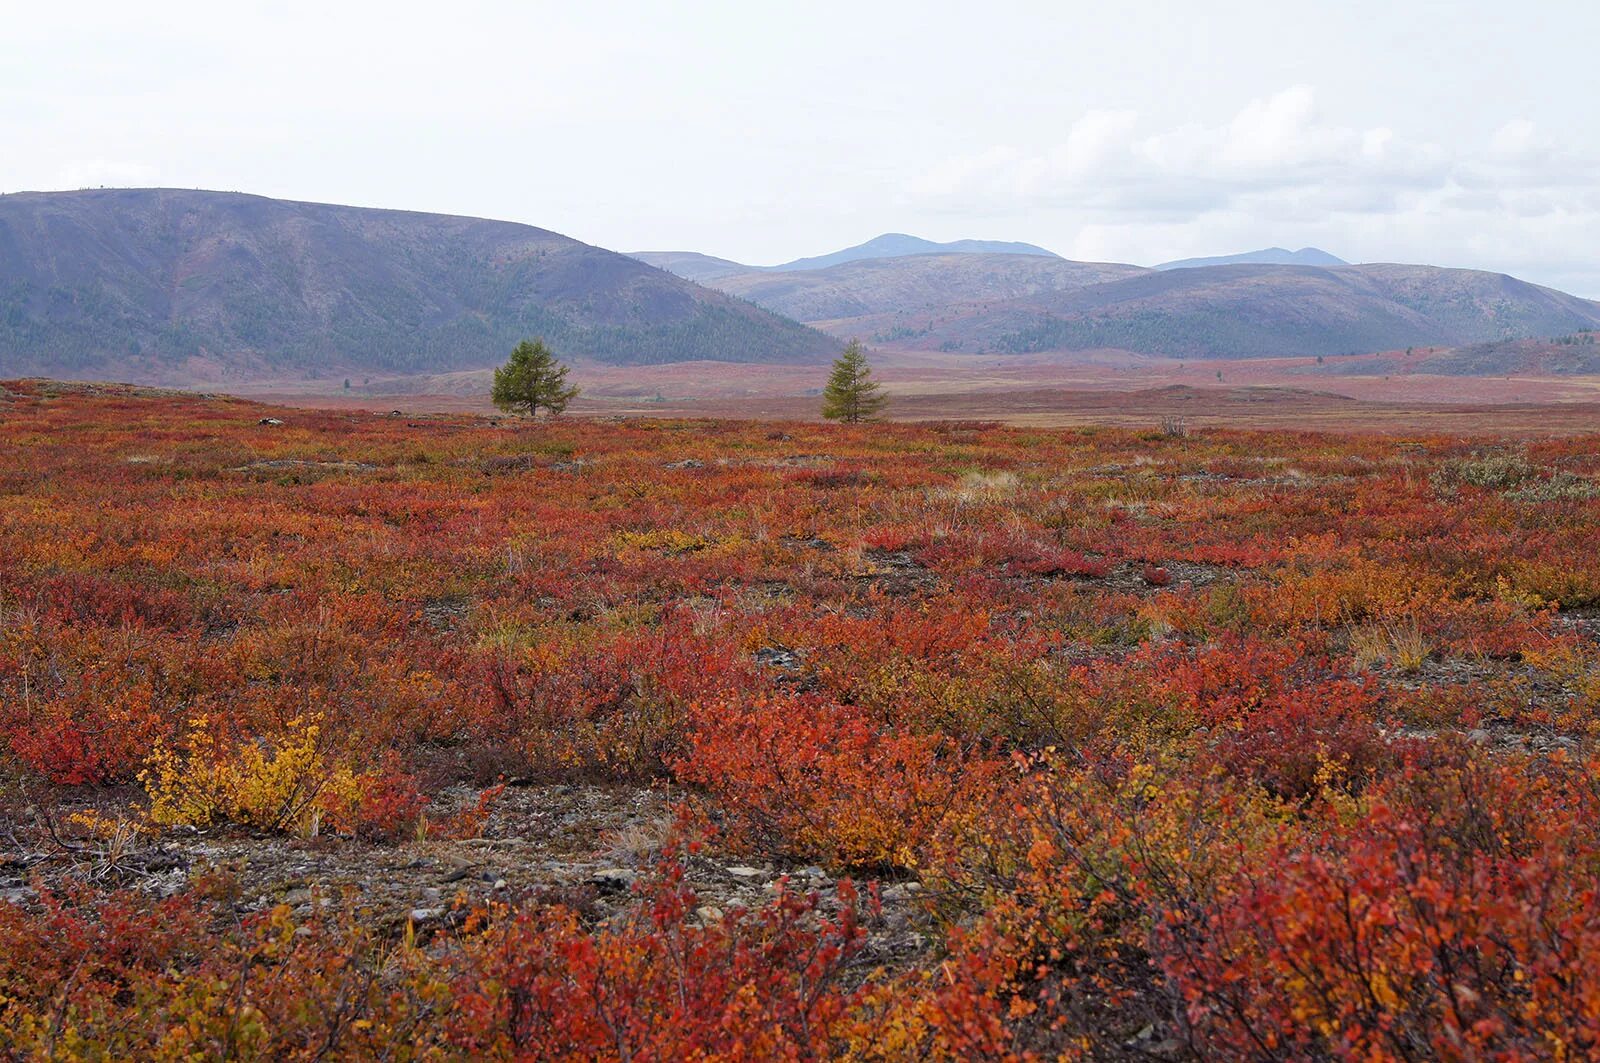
point(357, 737)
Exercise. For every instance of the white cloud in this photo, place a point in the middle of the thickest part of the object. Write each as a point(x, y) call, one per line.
point(1278, 172)
point(1273, 145)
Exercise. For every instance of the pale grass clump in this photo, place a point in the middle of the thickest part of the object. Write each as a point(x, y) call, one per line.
point(280, 785)
point(1400, 645)
point(641, 841)
point(986, 486)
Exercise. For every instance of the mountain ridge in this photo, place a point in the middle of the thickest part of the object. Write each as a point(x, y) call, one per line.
point(696, 266)
point(994, 303)
point(899, 245)
point(910, 284)
point(156, 284)
point(1266, 256)
point(1257, 311)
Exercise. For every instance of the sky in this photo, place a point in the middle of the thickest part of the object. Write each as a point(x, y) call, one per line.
point(1460, 134)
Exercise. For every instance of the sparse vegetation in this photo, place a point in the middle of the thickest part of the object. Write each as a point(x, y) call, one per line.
point(661, 739)
point(415, 293)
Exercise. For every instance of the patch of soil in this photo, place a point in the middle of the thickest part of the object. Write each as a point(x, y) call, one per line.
point(1129, 576)
point(897, 573)
point(586, 845)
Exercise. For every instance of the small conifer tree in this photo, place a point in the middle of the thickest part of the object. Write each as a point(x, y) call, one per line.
point(851, 395)
point(532, 380)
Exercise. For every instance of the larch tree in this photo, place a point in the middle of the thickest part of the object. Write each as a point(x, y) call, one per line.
point(851, 395)
point(532, 380)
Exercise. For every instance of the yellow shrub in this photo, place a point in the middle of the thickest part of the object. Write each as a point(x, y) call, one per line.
point(667, 540)
point(1401, 645)
point(271, 785)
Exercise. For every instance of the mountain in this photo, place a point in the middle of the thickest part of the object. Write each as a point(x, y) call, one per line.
point(1265, 311)
point(177, 285)
point(692, 265)
point(1267, 256)
point(894, 245)
point(913, 284)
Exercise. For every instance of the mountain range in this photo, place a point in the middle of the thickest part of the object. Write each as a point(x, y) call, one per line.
point(1269, 311)
point(1266, 303)
point(694, 266)
point(167, 284)
point(913, 283)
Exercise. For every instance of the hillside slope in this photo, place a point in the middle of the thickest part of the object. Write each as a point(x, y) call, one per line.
point(914, 283)
point(1576, 354)
point(896, 245)
point(692, 265)
point(1267, 256)
point(162, 284)
point(1265, 311)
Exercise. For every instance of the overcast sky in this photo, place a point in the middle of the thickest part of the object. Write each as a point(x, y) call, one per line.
point(1461, 133)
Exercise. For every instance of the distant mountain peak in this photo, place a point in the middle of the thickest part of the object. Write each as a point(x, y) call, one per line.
point(898, 245)
point(1266, 256)
point(704, 269)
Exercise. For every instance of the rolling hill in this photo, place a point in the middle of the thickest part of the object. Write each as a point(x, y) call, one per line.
point(692, 265)
point(1267, 311)
point(896, 245)
point(173, 285)
point(913, 284)
point(1014, 304)
point(1575, 354)
point(1267, 256)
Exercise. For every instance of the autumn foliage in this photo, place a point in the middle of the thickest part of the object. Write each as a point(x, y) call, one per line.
point(1228, 745)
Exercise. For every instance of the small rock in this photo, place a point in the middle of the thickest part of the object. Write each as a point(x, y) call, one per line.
point(902, 892)
point(747, 873)
point(423, 915)
point(295, 897)
point(777, 657)
point(459, 873)
point(709, 914)
point(499, 883)
point(614, 879)
point(1478, 736)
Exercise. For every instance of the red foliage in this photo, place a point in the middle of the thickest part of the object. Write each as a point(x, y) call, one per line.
point(1331, 796)
point(750, 985)
point(1155, 575)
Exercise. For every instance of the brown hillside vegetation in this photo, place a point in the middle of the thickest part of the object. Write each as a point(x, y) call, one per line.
point(178, 286)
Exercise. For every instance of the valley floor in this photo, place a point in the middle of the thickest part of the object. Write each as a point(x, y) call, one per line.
point(1042, 390)
point(327, 733)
